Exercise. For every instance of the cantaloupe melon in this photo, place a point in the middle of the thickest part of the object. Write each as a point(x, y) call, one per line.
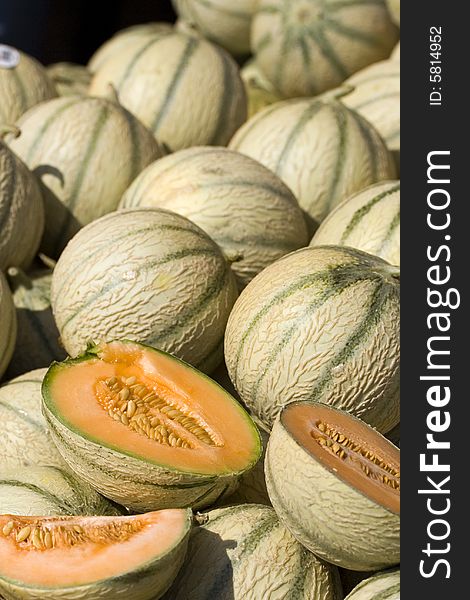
point(335, 484)
point(97, 558)
point(320, 148)
point(185, 89)
point(147, 430)
point(231, 197)
point(321, 323)
point(308, 46)
point(86, 151)
point(384, 585)
point(23, 83)
point(167, 282)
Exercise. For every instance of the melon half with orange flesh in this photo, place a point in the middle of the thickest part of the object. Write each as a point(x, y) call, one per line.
point(334, 482)
point(146, 429)
point(96, 558)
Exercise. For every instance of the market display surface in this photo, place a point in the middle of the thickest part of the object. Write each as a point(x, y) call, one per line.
point(199, 309)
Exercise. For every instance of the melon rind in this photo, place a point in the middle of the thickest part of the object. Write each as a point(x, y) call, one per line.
point(381, 586)
point(49, 491)
point(167, 281)
point(148, 582)
point(245, 553)
point(322, 324)
point(137, 484)
point(368, 221)
point(328, 516)
point(232, 198)
point(321, 149)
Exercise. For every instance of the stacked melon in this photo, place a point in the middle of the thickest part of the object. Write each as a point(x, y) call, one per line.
point(206, 221)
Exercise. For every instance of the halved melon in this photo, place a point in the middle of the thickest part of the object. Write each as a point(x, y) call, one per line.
point(92, 557)
point(334, 482)
point(146, 429)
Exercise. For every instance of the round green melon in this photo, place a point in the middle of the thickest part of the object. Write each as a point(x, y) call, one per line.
point(224, 22)
point(86, 152)
point(167, 282)
point(319, 324)
point(21, 211)
point(369, 221)
point(232, 198)
point(146, 429)
point(245, 553)
point(23, 83)
point(321, 149)
point(25, 439)
point(335, 484)
point(185, 89)
point(123, 41)
point(49, 491)
point(69, 78)
point(8, 325)
point(376, 96)
point(384, 585)
point(37, 340)
point(394, 9)
point(306, 47)
point(94, 557)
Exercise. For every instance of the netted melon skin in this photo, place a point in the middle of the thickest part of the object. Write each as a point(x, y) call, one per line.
point(329, 517)
point(252, 556)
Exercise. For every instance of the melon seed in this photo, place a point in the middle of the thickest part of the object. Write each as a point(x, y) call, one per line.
point(8, 528)
point(23, 534)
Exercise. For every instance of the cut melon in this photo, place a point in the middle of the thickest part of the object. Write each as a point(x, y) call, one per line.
point(146, 429)
point(335, 483)
point(49, 491)
point(97, 558)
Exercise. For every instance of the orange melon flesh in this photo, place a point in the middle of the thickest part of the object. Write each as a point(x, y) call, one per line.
point(72, 394)
point(87, 562)
point(303, 422)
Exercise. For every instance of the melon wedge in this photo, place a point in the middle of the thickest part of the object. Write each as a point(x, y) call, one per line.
point(146, 429)
point(134, 557)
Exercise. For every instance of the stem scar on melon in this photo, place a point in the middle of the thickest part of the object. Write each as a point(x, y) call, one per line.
point(146, 429)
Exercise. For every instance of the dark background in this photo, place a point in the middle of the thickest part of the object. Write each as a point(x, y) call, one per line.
point(71, 30)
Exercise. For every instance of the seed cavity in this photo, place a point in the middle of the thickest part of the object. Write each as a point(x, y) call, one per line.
point(371, 465)
point(46, 533)
point(145, 411)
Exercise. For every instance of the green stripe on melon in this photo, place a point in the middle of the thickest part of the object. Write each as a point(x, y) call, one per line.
point(384, 585)
point(37, 342)
point(221, 21)
point(22, 86)
point(186, 90)
point(307, 327)
point(21, 210)
point(167, 282)
point(123, 41)
point(369, 221)
point(8, 324)
point(25, 439)
point(307, 47)
point(102, 149)
point(231, 201)
point(376, 96)
point(322, 150)
point(49, 491)
point(245, 553)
